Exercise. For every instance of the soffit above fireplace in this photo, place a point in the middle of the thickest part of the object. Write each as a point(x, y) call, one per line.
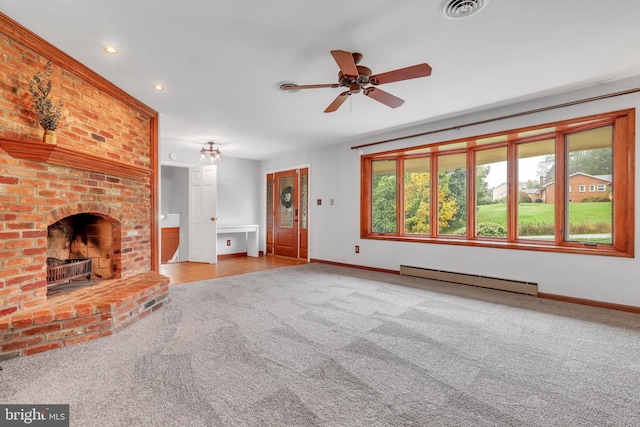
point(53, 153)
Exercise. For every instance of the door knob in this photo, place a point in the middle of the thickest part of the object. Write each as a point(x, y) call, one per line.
point(213, 218)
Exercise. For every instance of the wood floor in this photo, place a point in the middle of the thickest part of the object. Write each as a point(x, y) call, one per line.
point(184, 272)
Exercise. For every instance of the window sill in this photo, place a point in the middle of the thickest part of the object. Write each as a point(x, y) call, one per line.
point(572, 248)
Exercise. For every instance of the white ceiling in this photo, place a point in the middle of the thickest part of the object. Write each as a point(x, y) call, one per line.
point(221, 60)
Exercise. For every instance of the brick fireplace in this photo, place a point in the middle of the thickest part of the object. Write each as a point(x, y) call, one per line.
point(100, 175)
point(94, 239)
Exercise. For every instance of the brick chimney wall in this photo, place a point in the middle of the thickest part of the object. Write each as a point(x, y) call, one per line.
point(34, 195)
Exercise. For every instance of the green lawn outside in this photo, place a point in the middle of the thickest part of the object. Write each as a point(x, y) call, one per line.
point(542, 213)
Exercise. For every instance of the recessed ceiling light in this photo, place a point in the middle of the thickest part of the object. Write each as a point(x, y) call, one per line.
point(111, 50)
point(158, 86)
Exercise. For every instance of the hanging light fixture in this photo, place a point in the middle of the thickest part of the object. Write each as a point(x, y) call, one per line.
point(212, 153)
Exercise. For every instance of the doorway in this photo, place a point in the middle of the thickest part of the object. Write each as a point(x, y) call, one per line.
point(174, 203)
point(188, 200)
point(288, 213)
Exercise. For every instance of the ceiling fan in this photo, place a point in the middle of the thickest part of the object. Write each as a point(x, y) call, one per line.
point(358, 78)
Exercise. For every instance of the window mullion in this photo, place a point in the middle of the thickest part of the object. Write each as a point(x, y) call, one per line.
point(512, 192)
point(400, 196)
point(433, 227)
point(366, 199)
point(560, 207)
point(623, 184)
point(471, 195)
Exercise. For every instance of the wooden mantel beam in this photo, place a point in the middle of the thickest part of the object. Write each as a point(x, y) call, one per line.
point(39, 151)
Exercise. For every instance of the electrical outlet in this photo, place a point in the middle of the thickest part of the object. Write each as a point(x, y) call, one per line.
point(357, 249)
point(228, 242)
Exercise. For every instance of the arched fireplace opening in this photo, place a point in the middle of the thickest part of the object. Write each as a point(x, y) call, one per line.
point(82, 249)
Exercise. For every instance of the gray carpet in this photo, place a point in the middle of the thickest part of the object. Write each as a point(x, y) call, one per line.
point(319, 345)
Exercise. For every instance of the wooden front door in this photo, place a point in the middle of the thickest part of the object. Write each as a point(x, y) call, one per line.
point(270, 213)
point(304, 213)
point(288, 213)
point(285, 220)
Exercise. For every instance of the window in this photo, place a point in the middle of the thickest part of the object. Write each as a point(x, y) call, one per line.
point(491, 211)
point(535, 221)
point(417, 196)
point(590, 153)
point(384, 190)
point(511, 189)
point(452, 194)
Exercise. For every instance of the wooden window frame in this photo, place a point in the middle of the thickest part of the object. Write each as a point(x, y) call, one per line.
point(623, 188)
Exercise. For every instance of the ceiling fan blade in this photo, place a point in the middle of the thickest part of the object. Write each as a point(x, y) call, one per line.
point(337, 102)
point(413, 72)
point(346, 63)
point(291, 86)
point(384, 97)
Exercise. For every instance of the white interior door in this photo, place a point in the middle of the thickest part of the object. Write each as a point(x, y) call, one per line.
point(202, 214)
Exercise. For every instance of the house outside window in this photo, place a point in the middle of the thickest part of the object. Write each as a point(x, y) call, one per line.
point(582, 188)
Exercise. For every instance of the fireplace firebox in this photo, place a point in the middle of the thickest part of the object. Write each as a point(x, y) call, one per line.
point(81, 245)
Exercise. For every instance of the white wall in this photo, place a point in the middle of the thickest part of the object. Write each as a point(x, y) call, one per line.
point(238, 200)
point(334, 229)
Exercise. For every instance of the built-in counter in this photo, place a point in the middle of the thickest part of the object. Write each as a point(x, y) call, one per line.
point(250, 232)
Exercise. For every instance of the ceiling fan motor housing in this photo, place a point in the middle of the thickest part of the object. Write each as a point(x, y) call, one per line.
point(363, 76)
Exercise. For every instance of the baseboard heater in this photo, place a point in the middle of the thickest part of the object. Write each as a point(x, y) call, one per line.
point(471, 279)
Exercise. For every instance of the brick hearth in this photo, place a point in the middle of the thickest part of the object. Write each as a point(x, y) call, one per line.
point(82, 315)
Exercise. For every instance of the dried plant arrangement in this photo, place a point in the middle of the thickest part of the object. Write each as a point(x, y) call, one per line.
point(48, 113)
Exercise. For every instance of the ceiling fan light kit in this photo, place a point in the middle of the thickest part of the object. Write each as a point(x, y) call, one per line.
point(357, 78)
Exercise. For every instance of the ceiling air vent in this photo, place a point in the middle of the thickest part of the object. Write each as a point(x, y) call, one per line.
point(457, 9)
